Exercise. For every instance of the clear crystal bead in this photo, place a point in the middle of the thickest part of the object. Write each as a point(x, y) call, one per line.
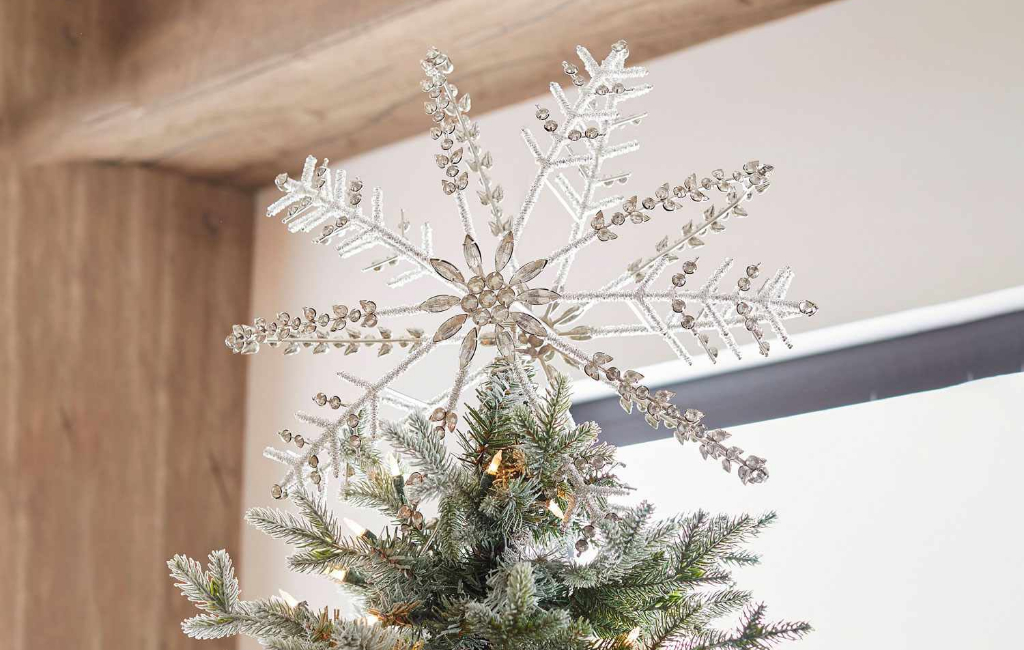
point(808, 308)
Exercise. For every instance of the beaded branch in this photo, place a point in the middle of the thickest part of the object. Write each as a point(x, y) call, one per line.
point(525, 312)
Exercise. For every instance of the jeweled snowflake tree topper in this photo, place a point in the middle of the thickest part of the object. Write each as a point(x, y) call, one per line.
point(523, 312)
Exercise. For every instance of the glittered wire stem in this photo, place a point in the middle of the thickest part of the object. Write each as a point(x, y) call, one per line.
point(369, 341)
point(331, 427)
point(585, 198)
point(388, 237)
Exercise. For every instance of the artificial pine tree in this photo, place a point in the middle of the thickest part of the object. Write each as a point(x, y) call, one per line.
point(499, 565)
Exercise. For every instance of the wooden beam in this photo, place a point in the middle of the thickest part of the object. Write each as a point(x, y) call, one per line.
point(240, 90)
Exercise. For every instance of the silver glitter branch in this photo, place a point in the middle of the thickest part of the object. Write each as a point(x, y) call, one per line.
point(606, 77)
point(351, 421)
point(719, 311)
point(659, 409)
point(742, 186)
point(314, 200)
point(509, 312)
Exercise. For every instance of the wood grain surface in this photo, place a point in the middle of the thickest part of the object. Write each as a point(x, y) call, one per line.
point(121, 411)
point(240, 90)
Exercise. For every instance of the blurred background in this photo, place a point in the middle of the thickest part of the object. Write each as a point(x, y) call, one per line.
point(140, 140)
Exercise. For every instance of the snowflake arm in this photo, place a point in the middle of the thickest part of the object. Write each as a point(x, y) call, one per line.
point(609, 75)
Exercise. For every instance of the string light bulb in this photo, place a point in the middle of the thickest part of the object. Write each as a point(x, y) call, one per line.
point(358, 530)
point(555, 509)
point(632, 637)
point(492, 469)
point(339, 574)
point(289, 599)
point(354, 526)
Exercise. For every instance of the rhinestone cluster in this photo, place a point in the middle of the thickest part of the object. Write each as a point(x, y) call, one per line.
point(686, 423)
point(752, 175)
point(443, 110)
point(489, 298)
point(449, 112)
point(312, 329)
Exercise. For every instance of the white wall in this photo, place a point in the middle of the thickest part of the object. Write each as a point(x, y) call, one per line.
point(894, 128)
point(899, 520)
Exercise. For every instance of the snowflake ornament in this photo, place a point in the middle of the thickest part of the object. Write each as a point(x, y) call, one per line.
point(523, 311)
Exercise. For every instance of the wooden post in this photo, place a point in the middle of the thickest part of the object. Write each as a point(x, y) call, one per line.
point(121, 411)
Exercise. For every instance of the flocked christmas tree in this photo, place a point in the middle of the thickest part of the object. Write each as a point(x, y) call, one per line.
point(528, 548)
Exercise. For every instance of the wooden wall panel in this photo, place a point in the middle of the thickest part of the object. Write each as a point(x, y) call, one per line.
point(122, 412)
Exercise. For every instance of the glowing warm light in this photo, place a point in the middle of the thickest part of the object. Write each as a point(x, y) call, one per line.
point(555, 509)
point(339, 574)
point(587, 556)
point(633, 635)
point(396, 469)
point(492, 469)
point(356, 529)
point(372, 619)
point(288, 598)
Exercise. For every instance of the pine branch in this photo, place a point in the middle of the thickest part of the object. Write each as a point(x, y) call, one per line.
point(195, 584)
point(689, 615)
point(753, 633)
point(555, 407)
point(450, 529)
point(521, 591)
point(258, 619)
point(512, 507)
point(317, 530)
point(223, 583)
point(718, 539)
point(416, 438)
point(375, 491)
